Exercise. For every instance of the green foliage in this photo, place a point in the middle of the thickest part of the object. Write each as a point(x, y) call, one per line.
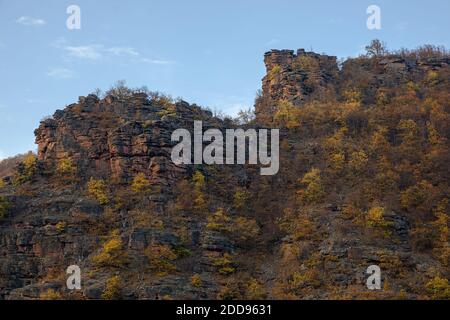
point(97, 189)
point(140, 184)
point(113, 289)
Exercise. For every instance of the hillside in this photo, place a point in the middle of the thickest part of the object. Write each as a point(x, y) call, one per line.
point(364, 180)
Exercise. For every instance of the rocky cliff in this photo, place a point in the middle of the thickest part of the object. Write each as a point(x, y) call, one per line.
point(364, 151)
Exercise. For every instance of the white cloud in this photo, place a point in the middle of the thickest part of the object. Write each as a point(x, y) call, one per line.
point(61, 73)
point(91, 52)
point(29, 21)
point(156, 61)
point(99, 51)
point(123, 51)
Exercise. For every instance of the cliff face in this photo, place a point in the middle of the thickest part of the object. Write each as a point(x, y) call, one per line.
point(363, 180)
point(302, 76)
point(117, 137)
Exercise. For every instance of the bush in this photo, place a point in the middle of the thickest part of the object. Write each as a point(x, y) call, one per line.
point(140, 184)
point(314, 191)
point(240, 198)
point(26, 169)
point(375, 218)
point(256, 291)
point(97, 189)
point(65, 167)
point(113, 289)
point(50, 294)
point(4, 207)
point(438, 288)
point(224, 264)
point(245, 229)
point(219, 221)
point(196, 281)
point(112, 254)
point(161, 258)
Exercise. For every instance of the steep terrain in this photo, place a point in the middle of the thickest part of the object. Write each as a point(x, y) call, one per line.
point(364, 180)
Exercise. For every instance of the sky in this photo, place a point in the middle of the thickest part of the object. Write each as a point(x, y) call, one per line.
point(204, 51)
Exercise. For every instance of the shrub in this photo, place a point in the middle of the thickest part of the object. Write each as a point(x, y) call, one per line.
point(65, 167)
point(61, 226)
point(196, 281)
point(219, 221)
point(199, 185)
point(140, 184)
point(224, 264)
point(97, 189)
point(50, 294)
point(26, 169)
point(240, 198)
point(375, 218)
point(287, 115)
point(4, 207)
point(358, 161)
point(256, 291)
point(438, 288)
point(112, 254)
point(161, 258)
point(314, 191)
point(245, 229)
point(113, 289)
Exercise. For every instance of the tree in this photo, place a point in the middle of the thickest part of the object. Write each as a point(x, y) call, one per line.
point(376, 48)
point(313, 191)
point(97, 189)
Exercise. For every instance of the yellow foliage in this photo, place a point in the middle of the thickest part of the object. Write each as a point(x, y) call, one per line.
point(287, 115)
point(113, 288)
point(375, 217)
point(337, 162)
point(240, 198)
point(50, 294)
point(65, 167)
point(196, 281)
point(245, 229)
point(161, 258)
point(224, 264)
point(438, 288)
point(219, 221)
point(112, 254)
point(140, 183)
point(97, 189)
point(358, 161)
point(255, 290)
point(314, 191)
point(27, 169)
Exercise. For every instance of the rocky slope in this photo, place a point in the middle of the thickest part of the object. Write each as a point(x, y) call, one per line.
point(104, 194)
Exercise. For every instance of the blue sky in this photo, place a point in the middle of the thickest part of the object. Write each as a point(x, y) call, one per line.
point(207, 52)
